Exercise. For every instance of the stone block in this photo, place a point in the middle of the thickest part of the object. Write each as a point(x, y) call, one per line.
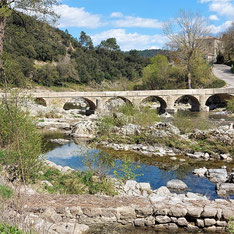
point(209, 222)
point(182, 222)
point(178, 211)
point(162, 219)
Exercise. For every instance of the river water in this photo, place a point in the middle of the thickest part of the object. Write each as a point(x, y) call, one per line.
point(157, 171)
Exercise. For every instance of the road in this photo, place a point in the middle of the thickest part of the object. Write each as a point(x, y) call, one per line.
point(223, 72)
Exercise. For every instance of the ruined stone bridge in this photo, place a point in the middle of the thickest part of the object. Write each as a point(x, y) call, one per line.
point(198, 98)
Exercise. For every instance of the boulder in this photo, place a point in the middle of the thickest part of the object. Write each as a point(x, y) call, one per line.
point(225, 189)
point(217, 175)
point(200, 172)
point(176, 185)
point(84, 129)
point(130, 129)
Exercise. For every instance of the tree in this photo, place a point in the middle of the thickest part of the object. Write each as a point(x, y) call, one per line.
point(41, 9)
point(186, 36)
point(109, 44)
point(85, 40)
point(228, 39)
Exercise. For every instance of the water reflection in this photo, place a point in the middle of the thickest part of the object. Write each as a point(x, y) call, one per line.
point(77, 156)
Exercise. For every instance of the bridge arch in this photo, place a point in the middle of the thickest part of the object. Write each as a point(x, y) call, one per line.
point(162, 103)
point(40, 101)
point(189, 99)
point(85, 105)
point(218, 100)
point(111, 105)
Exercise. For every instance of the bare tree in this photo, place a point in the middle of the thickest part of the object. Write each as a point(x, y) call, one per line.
point(186, 36)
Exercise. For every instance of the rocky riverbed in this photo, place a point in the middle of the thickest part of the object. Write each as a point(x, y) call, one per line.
point(168, 207)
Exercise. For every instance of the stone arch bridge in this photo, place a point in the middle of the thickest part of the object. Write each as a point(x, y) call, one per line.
point(199, 98)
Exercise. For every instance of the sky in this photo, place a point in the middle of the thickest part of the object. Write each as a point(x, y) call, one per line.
point(137, 24)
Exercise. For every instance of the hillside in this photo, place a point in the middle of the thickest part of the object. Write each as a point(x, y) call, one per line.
point(150, 53)
point(48, 56)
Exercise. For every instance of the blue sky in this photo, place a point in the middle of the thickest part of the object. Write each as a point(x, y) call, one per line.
point(136, 24)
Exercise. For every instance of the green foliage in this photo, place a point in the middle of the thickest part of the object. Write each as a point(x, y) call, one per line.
point(232, 69)
point(19, 139)
point(202, 76)
point(161, 75)
point(187, 123)
point(76, 182)
point(8, 229)
point(230, 227)
point(143, 116)
point(127, 170)
point(5, 192)
point(77, 62)
point(230, 105)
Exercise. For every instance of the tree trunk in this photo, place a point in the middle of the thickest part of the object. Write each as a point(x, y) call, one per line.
point(189, 75)
point(2, 31)
point(189, 80)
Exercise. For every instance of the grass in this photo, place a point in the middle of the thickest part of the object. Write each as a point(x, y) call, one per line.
point(5, 192)
point(187, 124)
point(76, 182)
point(8, 229)
point(230, 105)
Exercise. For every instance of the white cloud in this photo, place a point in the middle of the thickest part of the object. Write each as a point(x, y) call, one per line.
point(213, 17)
point(76, 17)
point(221, 7)
point(116, 15)
point(217, 29)
point(129, 41)
point(129, 21)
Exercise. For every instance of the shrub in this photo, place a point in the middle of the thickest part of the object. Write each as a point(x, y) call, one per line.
point(5, 192)
point(19, 139)
point(188, 124)
point(230, 105)
point(127, 170)
point(232, 69)
point(8, 229)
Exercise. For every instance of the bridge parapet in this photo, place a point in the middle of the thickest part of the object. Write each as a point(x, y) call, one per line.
point(167, 98)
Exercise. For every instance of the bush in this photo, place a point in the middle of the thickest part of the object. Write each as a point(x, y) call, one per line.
point(143, 116)
point(19, 139)
point(8, 229)
point(5, 192)
point(77, 183)
point(230, 105)
point(127, 170)
point(188, 124)
point(232, 69)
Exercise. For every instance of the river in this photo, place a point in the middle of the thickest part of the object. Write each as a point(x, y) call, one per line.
point(157, 171)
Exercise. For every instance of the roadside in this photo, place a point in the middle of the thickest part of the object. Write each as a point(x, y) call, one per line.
point(223, 72)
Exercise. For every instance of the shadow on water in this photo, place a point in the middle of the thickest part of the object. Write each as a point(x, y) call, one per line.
point(156, 171)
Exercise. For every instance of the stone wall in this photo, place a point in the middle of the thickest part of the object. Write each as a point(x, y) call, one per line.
point(159, 210)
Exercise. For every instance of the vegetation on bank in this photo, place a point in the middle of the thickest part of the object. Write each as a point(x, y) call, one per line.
point(9, 229)
point(230, 105)
point(160, 74)
point(194, 143)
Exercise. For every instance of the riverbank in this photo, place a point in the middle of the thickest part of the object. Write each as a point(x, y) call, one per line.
point(144, 134)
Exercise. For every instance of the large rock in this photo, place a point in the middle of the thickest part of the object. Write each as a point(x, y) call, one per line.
point(84, 129)
point(176, 185)
point(217, 175)
point(200, 172)
point(130, 129)
point(225, 189)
